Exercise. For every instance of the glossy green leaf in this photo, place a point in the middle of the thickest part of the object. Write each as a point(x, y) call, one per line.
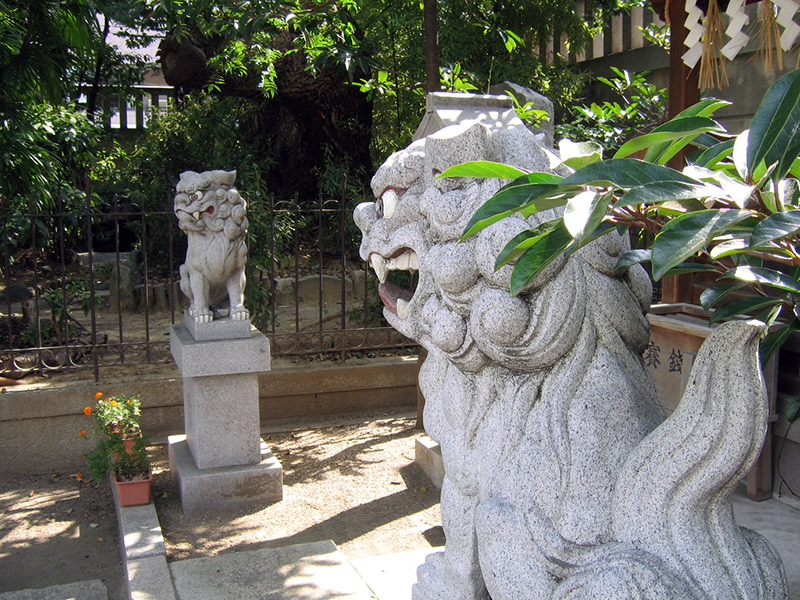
point(764, 276)
point(662, 191)
point(669, 131)
point(584, 212)
point(793, 409)
point(690, 267)
point(625, 173)
point(775, 227)
point(728, 247)
point(484, 168)
point(743, 306)
point(511, 199)
point(712, 295)
point(775, 128)
point(710, 157)
point(577, 155)
point(538, 256)
point(683, 236)
point(633, 257)
point(704, 108)
point(770, 344)
point(524, 240)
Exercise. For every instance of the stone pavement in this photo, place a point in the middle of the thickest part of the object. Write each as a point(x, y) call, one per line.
point(319, 571)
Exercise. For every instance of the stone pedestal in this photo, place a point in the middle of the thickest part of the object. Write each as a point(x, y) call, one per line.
point(222, 462)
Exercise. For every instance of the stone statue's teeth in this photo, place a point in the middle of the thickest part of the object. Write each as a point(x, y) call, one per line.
point(402, 305)
point(405, 262)
point(389, 203)
point(379, 266)
point(196, 215)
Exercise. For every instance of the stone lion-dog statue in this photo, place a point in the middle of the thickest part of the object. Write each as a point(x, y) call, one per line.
point(563, 480)
point(214, 216)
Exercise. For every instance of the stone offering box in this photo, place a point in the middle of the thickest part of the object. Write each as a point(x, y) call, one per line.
point(676, 333)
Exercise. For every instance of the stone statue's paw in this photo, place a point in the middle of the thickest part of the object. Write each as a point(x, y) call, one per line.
point(240, 314)
point(203, 317)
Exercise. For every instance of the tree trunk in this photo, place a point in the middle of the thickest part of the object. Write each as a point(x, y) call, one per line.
point(432, 81)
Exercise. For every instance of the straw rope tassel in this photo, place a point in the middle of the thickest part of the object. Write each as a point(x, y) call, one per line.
point(769, 36)
point(713, 72)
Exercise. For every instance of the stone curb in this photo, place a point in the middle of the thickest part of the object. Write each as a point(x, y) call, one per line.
point(143, 552)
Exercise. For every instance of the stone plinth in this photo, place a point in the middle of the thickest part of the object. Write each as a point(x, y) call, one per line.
point(221, 461)
point(204, 490)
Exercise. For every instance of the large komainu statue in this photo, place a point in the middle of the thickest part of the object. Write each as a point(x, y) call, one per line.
point(561, 481)
point(213, 215)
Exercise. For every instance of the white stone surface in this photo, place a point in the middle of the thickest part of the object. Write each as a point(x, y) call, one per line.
point(561, 482)
point(214, 216)
point(218, 357)
point(428, 455)
point(223, 488)
point(313, 571)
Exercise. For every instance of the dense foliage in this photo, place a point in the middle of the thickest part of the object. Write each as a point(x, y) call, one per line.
point(734, 211)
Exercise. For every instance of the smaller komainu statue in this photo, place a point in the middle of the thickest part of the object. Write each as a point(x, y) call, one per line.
point(213, 215)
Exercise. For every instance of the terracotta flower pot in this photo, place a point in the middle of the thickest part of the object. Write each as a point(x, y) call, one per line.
point(134, 493)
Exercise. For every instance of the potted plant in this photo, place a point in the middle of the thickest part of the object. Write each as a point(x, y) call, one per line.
point(121, 449)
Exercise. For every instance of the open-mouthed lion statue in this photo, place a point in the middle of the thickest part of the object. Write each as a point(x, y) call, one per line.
point(563, 481)
point(213, 215)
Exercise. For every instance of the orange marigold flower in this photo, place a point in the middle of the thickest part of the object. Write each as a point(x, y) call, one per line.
point(113, 403)
point(98, 395)
point(87, 410)
point(82, 433)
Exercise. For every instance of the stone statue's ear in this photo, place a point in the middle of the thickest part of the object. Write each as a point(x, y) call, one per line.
point(187, 175)
point(226, 177)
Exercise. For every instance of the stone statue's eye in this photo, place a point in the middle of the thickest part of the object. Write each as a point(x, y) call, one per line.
point(196, 196)
point(379, 207)
point(389, 200)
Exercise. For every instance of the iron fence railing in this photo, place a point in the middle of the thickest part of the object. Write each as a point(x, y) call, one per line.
point(87, 287)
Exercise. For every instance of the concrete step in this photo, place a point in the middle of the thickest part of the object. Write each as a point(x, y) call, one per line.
point(83, 590)
point(312, 571)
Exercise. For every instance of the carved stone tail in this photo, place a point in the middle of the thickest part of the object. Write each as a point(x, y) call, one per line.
point(672, 497)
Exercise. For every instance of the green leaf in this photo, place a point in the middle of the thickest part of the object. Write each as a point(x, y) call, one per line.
point(484, 168)
point(743, 306)
point(584, 212)
point(538, 256)
point(578, 155)
point(710, 157)
point(714, 294)
point(685, 128)
point(663, 191)
point(763, 276)
point(772, 342)
point(633, 257)
point(775, 128)
point(704, 108)
point(524, 240)
point(775, 227)
point(793, 409)
point(728, 247)
point(690, 267)
point(625, 173)
point(685, 235)
point(511, 199)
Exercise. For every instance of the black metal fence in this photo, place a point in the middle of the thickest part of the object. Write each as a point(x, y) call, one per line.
point(86, 288)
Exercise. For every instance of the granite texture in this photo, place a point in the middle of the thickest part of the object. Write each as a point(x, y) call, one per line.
point(224, 488)
point(561, 480)
point(214, 216)
point(221, 417)
point(218, 357)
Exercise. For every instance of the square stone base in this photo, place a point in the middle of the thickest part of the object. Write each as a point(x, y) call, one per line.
point(223, 488)
point(428, 455)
